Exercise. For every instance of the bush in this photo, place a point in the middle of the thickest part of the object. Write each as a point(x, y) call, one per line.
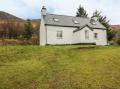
point(117, 38)
point(33, 41)
point(28, 29)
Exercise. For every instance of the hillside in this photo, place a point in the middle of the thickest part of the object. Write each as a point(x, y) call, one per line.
point(35, 22)
point(7, 16)
point(4, 17)
point(59, 67)
point(115, 28)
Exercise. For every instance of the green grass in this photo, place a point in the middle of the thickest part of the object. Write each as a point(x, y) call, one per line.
point(59, 67)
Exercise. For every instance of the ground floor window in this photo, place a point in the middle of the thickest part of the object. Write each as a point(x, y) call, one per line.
point(86, 34)
point(96, 35)
point(59, 34)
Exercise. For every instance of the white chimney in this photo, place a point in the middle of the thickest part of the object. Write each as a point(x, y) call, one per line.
point(43, 11)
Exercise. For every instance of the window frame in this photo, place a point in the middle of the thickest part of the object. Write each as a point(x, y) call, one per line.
point(95, 35)
point(87, 34)
point(59, 34)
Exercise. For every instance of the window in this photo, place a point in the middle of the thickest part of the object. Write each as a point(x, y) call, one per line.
point(76, 22)
point(59, 34)
point(96, 35)
point(56, 20)
point(86, 34)
point(93, 22)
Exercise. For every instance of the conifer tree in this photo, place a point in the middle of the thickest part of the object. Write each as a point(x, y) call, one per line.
point(81, 12)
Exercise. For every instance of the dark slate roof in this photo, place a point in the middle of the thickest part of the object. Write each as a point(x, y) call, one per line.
point(68, 21)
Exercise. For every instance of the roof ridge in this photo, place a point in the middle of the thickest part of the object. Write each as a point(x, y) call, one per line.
point(67, 21)
point(68, 16)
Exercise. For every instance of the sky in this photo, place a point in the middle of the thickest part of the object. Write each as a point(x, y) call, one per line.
point(31, 8)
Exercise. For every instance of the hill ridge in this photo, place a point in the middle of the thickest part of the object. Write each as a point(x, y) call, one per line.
point(8, 16)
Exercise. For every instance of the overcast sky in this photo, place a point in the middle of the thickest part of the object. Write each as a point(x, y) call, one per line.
point(31, 8)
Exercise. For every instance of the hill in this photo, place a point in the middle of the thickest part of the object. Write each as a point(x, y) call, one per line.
point(4, 17)
point(115, 28)
point(59, 67)
point(35, 22)
point(7, 16)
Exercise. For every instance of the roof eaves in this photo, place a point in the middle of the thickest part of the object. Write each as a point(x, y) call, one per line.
point(61, 25)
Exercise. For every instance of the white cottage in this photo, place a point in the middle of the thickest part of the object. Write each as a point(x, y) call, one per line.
point(61, 29)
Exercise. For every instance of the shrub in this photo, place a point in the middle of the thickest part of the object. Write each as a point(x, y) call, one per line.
point(28, 29)
point(117, 38)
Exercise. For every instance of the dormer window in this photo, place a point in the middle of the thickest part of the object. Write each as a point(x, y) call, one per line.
point(93, 22)
point(56, 20)
point(76, 22)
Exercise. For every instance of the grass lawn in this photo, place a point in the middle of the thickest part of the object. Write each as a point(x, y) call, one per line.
point(59, 67)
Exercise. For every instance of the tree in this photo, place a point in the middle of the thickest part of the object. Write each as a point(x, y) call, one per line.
point(102, 19)
point(10, 29)
point(28, 28)
point(117, 38)
point(110, 35)
point(81, 12)
point(105, 22)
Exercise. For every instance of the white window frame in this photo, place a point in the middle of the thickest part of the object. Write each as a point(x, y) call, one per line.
point(96, 35)
point(59, 34)
point(86, 34)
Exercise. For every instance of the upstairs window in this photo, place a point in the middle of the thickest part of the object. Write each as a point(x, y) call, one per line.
point(56, 20)
point(86, 34)
point(93, 22)
point(76, 22)
point(96, 35)
point(59, 34)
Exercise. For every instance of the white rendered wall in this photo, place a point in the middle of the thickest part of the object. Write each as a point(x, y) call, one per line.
point(102, 37)
point(52, 35)
point(73, 38)
point(79, 36)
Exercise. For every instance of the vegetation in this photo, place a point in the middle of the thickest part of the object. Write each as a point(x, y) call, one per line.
point(105, 22)
point(81, 12)
point(103, 19)
point(59, 67)
point(10, 30)
point(111, 35)
point(28, 30)
point(117, 38)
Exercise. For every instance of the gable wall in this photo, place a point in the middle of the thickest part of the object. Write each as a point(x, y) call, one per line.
point(79, 36)
point(102, 37)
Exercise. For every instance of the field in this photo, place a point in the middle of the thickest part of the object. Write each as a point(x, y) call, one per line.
point(59, 67)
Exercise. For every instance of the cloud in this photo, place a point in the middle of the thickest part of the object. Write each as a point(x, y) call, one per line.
point(31, 8)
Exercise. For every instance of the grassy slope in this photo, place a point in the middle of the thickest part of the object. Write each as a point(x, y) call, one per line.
point(59, 67)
